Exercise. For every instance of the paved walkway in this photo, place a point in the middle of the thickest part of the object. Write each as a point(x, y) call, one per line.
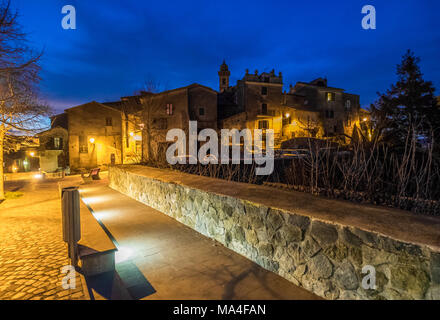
point(160, 258)
point(32, 251)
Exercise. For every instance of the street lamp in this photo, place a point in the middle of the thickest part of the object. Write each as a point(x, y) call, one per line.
point(92, 140)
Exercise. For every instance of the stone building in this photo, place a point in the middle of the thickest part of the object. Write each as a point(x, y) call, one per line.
point(127, 131)
point(174, 109)
point(53, 150)
point(338, 110)
point(257, 101)
point(134, 129)
point(99, 134)
point(223, 75)
point(20, 154)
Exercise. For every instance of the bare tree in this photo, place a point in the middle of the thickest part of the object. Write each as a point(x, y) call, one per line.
point(310, 126)
point(19, 76)
point(153, 105)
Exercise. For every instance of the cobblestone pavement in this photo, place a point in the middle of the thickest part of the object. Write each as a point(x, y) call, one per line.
point(32, 251)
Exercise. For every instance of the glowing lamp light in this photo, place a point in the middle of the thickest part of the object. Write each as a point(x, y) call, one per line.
point(365, 119)
point(95, 199)
point(287, 115)
point(92, 140)
point(38, 176)
point(32, 153)
point(132, 134)
point(123, 254)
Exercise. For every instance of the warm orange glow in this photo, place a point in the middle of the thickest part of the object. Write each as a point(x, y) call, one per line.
point(365, 119)
point(32, 153)
point(92, 140)
point(132, 134)
point(287, 115)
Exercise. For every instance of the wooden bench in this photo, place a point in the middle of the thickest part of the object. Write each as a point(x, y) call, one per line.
point(96, 250)
point(93, 175)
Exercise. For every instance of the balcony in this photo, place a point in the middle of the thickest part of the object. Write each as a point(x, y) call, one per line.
point(266, 113)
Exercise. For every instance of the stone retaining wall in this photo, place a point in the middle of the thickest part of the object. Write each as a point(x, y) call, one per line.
point(321, 256)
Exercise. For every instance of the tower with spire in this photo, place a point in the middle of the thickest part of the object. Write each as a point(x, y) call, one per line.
point(223, 75)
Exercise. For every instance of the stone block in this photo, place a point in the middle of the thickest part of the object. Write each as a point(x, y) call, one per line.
point(345, 276)
point(320, 267)
point(410, 279)
point(325, 234)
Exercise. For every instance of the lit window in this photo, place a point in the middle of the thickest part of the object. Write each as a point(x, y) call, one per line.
point(331, 96)
point(57, 143)
point(263, 124)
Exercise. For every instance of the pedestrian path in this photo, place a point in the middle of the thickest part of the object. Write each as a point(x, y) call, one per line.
point(160, 258)
point(32, 250)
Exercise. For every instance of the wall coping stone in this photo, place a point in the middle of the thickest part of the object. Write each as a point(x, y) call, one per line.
point(393, 223)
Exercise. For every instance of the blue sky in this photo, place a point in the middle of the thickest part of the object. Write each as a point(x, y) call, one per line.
point(118, 45)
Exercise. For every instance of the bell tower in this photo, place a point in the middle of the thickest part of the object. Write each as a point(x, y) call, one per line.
point(223, 75)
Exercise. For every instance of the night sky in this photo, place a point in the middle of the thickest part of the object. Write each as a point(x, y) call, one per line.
point(118, 45)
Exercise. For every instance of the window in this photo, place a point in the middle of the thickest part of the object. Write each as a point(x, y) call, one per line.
point(330, 96)
point(264, 91)
point(169, 109)
point(264, 108)
point(287, 121)
point(108, 121)
point(263, 124)
point(83, 147)
point(57, 143)
point(224, 81)
point(347, 105)
point(201, 111)
point(329, 114)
